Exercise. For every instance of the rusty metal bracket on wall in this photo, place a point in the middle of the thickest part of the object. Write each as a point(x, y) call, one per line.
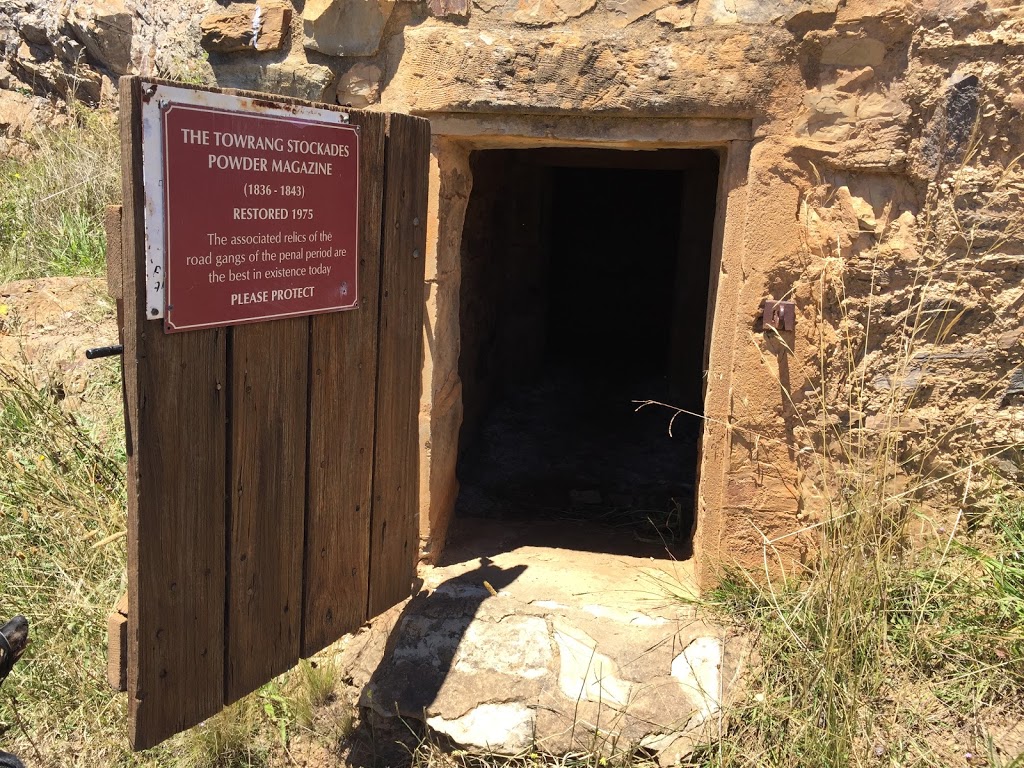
point(780, 315)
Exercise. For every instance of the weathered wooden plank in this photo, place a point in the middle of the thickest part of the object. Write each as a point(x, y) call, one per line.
point(269, 363)
point(175, 397)
point(115, 257)
point(343, 351)
point(394, 526)
point(117, 645)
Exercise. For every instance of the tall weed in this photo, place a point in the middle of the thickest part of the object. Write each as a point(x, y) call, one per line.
point(862, 662)
point(51, 202)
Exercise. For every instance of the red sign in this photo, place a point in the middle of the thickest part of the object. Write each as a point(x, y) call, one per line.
point(260, 212)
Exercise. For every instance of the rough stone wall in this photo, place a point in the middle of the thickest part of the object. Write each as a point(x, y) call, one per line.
point(879, 190)
point(76, 50)
point(870, 191)
point(913, 269)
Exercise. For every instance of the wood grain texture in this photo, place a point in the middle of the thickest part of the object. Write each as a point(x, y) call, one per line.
point(175, 394)
point(115, 257)
point(267, 470)
point(343, 351)
point(117, 645)
point(394, 533)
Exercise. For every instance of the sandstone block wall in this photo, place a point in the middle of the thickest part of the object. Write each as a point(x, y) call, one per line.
point(870, 175)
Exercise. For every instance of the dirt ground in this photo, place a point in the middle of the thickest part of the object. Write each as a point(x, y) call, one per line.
point(46, 324)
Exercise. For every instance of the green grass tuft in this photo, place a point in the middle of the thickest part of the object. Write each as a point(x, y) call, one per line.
point(51, 204)
point(228, 739)
point(315, 689)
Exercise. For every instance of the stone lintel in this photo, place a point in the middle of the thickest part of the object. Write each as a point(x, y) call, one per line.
point(588, 72)
point(493, 131)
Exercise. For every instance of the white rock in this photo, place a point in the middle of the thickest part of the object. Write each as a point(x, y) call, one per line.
point(105, 28)
point(542, 13)
point(586, 674)
point(550, 604)
point(625, 12)
point(360, 86)
point(624, 617)
point(698, 670)
point(759, 11)
point(503, 728)
point(680, 17)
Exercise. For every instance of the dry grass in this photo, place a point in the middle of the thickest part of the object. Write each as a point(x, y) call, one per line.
point(51, 204)
point(318, 682)
point(62, 504)
point(230, 739)
point(882, 656)
point(430, 755)
point(63, 521)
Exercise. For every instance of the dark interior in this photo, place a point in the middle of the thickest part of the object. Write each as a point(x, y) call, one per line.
point(584, 289)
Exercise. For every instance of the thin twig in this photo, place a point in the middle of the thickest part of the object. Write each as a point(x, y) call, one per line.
point(24, 730)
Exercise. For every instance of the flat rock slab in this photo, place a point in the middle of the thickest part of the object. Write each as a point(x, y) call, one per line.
point(549, 648)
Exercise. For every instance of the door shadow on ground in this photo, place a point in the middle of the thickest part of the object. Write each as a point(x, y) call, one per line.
point(417, 659)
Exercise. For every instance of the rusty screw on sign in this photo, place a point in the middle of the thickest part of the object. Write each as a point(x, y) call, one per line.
point(780, 315)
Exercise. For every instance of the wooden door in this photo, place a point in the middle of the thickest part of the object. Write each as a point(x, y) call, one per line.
point(272, 467)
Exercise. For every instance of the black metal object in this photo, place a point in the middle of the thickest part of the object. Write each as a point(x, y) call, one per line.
point(98, 352)
point(13, 641)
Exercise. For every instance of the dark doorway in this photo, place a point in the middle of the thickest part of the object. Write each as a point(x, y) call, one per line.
point(584, 289)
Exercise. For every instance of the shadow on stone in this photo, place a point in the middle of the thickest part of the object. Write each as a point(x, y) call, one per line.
point(417, 661)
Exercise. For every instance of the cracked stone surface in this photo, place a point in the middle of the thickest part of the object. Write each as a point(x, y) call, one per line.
point(586, 673)
point(543, 646)
point(698, 670)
